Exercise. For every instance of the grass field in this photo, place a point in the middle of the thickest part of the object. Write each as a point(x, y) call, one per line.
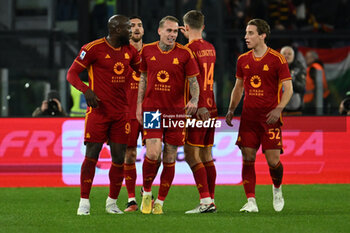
point(309, 208)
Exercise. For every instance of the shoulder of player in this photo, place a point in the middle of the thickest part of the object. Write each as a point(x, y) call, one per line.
point(93, 44)
point(148, 46)
point(277, 55)
point(183, 47)
point(244, 54)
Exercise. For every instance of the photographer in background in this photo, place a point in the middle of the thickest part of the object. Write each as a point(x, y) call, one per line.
point(51, 106)
point(344, 107)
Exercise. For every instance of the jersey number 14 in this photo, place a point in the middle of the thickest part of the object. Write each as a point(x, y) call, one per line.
point(209, 76)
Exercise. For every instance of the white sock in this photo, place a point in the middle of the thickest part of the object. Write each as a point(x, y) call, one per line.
point(159, 201)
point(111, 200)
point(84, 201)
point(206, 201)
point(131, 199)
point(147, 193)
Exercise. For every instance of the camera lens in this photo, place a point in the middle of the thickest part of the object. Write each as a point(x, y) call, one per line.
point(52, 107)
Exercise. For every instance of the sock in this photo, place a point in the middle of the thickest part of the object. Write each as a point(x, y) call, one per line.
point(110, 200)
point(166, 179)
point(149, 172)
point(116, 176)
point(276, 174)
point(211, 177)
point(200, 177)
point(87, 174)
point(206, 201)
point(131, 199)
point(130, 178)
point(159, 201)
point(249, 178)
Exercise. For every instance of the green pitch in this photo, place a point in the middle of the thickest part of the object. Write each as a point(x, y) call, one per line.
point(309, 208)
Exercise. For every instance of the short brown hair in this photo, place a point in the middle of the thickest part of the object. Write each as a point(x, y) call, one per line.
point(262, 27)
point(194, 19)
point(170, 18)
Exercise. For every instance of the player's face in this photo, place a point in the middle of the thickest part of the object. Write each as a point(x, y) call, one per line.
point(252, 38)
point(137, 30)
point(288, 54)
point(168, 32)
point(125, 30)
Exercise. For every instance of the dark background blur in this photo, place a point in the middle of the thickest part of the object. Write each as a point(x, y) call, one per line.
point(39, 39)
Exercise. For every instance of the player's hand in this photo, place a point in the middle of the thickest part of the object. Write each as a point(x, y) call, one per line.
point(91, 98)
point(203, 114)
point(273, 116)
point(139, 113)
point(191, 107)
point(183, 30)
point(229, 116)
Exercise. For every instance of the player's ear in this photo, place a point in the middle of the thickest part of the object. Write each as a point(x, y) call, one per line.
point(158, 31)
point(263, 36)
point(203, 27)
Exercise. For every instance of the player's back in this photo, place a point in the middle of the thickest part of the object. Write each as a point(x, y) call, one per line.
point(205, 55)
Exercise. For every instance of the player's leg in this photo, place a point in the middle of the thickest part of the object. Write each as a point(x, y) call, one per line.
point(130, 173)
point(130, 178)
point(87, 174)
point(116, 176)
point(167, 176)
point(206, 157)
point(272, 147)
point(276, 173)
point(200, 176)
point(249, 178)
point(149, 171)
point(249, 141)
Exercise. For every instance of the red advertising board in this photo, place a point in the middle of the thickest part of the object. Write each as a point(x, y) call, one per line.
point(38, 152)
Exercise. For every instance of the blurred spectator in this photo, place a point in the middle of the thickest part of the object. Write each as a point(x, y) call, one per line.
point(78, 105)
point(235, 13)
point(102, 11)
point(281, 14)
point(343, 17)
point(298, 73)
point(67, 10)
point(51, 106)
point(344, 107)
point(316, 96)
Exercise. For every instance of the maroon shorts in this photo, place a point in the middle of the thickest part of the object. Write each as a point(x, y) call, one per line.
point(202, 137)
point(172, 136)
point(100, 128)
point(136, 129)
point(253, 133)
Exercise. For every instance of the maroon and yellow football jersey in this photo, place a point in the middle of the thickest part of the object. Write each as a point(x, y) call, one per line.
point(166, 76)
point(205, 55)
point(108, 68)
point(132, 91)
point(262, 79)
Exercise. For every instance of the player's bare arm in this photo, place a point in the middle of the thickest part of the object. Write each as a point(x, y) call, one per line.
point(140, 96)
point(91, 98)
point(275, 114)
point(192, 105)
point(236, 96)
